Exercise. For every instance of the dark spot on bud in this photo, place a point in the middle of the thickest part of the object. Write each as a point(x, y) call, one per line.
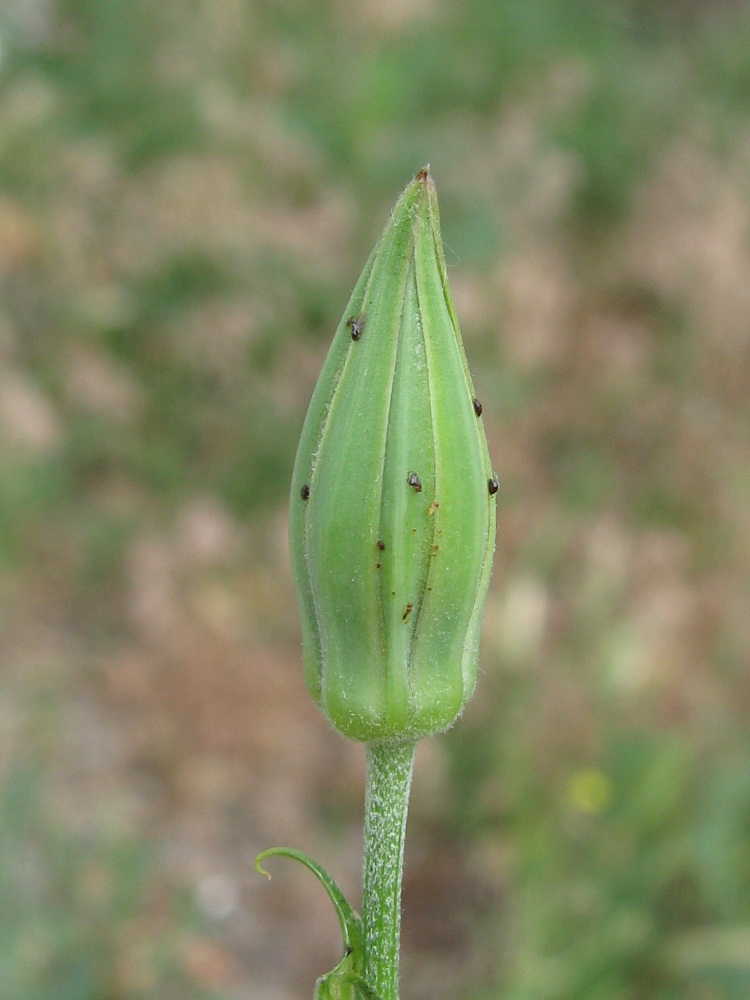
point(356, 325)
point(423, 174)
point(435, 548)
point(380, 545)
point(305, 492)
point(409, 609)
point(377, 565)
point(349, 950)
point(477, 407)
point(493, 486)
point(415, 482)
point(432, 508)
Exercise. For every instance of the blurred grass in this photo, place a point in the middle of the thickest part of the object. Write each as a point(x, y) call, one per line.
point(187, 191)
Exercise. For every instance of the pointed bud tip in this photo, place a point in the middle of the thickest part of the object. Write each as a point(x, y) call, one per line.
point(423, 174)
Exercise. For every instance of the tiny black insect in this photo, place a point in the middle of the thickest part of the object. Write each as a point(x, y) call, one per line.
point(380, 545)
point(493, 486)
point(305, 492)
point(415, 482)
point(477, 407)
point(409, 609)
point(356, 325)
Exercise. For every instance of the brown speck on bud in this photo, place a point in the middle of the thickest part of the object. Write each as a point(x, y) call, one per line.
point(356, 324)
point(305, 492)
point(380, 545)
point(493, 486)
point(409, 609)
point(415, 482)
point(477, 407)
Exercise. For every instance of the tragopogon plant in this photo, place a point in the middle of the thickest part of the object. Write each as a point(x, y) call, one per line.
point(392, 531)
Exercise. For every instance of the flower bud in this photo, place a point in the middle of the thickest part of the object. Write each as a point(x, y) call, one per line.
point(392, 522)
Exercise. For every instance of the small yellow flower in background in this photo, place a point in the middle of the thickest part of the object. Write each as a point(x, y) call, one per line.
point(590, 790)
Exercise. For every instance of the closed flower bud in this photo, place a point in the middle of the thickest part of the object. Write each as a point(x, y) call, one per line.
point(392, 522)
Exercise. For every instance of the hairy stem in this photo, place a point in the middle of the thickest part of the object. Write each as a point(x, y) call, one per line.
point(389, 770)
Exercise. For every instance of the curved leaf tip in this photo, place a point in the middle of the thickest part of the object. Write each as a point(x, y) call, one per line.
point(347, 974)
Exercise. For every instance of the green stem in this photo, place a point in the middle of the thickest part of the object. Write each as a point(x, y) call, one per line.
point(389, 770)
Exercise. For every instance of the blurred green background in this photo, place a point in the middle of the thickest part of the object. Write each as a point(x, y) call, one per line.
point(188, 191)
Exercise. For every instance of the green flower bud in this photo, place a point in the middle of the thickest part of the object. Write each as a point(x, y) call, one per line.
point(392, 524)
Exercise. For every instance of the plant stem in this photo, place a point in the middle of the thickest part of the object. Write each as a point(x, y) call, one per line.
point(389, 770)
